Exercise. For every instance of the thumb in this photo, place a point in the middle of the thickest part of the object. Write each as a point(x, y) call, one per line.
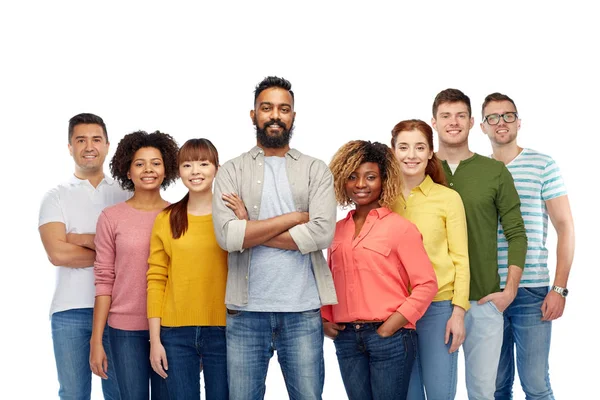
point(484, 300)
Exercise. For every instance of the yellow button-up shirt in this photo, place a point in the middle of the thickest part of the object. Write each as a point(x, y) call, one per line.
point(439, 214)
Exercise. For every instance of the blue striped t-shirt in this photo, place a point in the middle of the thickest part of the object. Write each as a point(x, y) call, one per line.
point(537, 179)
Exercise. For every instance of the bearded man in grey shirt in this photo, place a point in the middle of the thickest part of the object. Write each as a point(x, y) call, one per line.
point(278, 277)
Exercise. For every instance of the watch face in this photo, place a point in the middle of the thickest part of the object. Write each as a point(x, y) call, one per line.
point(565, 292)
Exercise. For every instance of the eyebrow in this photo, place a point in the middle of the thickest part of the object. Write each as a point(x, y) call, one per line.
point(415, 143)
point(268, 103)
point(144, 159)
point(93, 137)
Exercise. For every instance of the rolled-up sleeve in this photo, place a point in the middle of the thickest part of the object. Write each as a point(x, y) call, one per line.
point(317, 233)
point(229, 230)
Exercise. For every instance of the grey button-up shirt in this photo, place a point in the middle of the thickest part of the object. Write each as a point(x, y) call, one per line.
point(311, 184)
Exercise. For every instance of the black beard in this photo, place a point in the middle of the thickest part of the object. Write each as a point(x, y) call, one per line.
point(274, 142)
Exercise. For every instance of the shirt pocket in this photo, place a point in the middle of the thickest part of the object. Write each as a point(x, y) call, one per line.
point(374, 258)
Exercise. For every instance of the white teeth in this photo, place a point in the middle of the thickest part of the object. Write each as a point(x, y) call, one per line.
point(196, 180)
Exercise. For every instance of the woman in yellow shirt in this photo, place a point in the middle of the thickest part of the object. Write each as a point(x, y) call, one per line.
point(186, 284)
point(439, 215)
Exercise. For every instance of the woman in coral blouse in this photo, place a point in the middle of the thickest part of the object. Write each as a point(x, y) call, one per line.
point(143, 163)
point(439, 214)
point(383, 277)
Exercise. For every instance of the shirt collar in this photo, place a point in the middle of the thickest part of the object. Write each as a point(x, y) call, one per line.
point(378, 212)
point(426, 186)
point(77, 181)
point(255, 151)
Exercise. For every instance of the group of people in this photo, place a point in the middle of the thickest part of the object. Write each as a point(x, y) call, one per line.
point(438, 250)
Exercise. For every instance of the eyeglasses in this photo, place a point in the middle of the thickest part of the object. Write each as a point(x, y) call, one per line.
point(494, 119)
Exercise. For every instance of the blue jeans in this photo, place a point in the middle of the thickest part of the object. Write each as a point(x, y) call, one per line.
point(131, 354)
point(252, 337)
point(71, 334)
point(189, 346)
point(524, 328)
point(373, 367)
point(435, 368)
point(484, 326)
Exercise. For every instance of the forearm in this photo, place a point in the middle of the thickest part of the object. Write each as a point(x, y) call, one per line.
point(101, 309)
point(154, 325)
point(259, 232)
point(512, 280)
point(70, 255)
point(282, 241)
point(82, 239)
point(565, 251)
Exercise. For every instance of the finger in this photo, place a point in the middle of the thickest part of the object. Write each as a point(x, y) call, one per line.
point(447, 335)
point(484, 300)
point(105, 365)
point(164, 362)
point(455, 345)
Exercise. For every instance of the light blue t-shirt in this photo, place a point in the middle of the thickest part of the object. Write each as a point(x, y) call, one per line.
point(279, 280)
point(537, 179)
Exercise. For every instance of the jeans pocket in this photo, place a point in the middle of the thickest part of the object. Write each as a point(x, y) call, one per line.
point(537, 292)
point(491, 303)
point(315, 311)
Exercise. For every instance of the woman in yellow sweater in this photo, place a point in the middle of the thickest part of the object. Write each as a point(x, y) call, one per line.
point(439, 214)
point(186, 284)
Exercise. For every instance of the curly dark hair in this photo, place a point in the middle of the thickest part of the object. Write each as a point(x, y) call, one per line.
point(356, 152)
point(272, 81)
point(132, 142)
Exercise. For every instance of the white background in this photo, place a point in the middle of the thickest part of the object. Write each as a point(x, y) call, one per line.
point(356, 70)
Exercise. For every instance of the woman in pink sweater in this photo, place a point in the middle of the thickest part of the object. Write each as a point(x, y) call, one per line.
point(143, 163)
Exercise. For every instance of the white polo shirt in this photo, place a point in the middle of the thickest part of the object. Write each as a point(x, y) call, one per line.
point(77, 204)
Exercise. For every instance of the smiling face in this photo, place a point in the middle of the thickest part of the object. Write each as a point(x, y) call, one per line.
point(147, 170)
point(197, 176)
point(413, 153)
point(453, 123)
point(363, 186)
point(504, 132)
point(273, 117)
point(88, 147)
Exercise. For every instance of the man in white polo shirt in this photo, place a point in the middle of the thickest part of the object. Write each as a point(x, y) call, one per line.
point(67, 225)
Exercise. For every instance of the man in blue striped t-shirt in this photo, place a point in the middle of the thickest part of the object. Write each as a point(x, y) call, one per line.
point(527, 321)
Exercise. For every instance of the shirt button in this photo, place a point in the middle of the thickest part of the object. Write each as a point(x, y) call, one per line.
point(451, 184)
point(246, 277)
point(258, 182)
point(255, 207)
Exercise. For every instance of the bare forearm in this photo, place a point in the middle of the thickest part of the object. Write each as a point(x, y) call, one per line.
point(282, 241)
point(513, 278)
point(82, 239)
point(564, 257)
point(259, 232)
point(154, 325)
point(70, 255)
point(101, 309)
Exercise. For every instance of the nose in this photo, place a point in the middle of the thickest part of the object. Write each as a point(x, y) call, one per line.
point(411, 152)
point(195, 169)
point(274, 113)
point(361, 182)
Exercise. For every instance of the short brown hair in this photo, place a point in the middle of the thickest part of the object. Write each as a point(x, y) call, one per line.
point(450, 96)
point(496, 97)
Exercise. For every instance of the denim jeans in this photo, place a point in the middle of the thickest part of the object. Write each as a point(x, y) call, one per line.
point(71, 334)
point(435, 370)
point(374, 367)
point(188, 347)
point(131, 354)
point(524, 328)
point(252, 337)
point(484, 326)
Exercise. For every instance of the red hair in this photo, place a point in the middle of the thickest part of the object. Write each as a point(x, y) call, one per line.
point(434, 166)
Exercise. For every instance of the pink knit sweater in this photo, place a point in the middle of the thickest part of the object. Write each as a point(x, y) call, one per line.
point(122, 248)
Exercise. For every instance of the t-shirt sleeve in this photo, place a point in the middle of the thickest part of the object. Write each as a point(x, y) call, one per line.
point(553, 185)
point(50, 209)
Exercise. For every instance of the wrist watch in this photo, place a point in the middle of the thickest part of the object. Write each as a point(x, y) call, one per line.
point(561, 290)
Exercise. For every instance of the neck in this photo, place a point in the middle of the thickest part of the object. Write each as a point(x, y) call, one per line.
point(200, 203)
point(274, 152)
point(94, 177)
point(454, 155)
point(147, 200)
point(411, 182)
point(506, 152)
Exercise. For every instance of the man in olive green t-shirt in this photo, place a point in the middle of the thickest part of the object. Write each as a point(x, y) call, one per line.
point(488, 193)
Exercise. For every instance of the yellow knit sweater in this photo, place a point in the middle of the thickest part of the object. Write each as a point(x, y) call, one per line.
point(186, 276)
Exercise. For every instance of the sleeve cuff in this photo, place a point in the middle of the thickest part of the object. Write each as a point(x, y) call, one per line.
point(236, 230)
point(301, 236)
